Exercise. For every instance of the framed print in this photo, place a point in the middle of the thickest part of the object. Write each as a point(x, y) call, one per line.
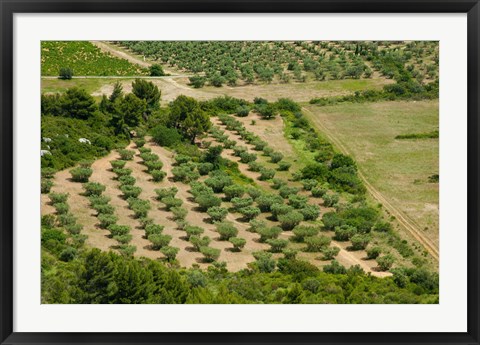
point(239, 172)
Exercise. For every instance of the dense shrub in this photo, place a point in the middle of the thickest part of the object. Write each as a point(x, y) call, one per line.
point(344, 232)
point(309, 184)
point(284, 166)
point(139, 207)
point(118, 230)
point(206, 201)
point(265, 201)
point(310, 212)
point(61, 207)
point(290, 220)
point(279, 209)
point(122, 172)
point(130, 191)
point(233, 191)
point(217, 213)
point(204, 168)
point(238, 243)
point(359, 241)
point(210, 254)
point(94, 188)
point(199, 242)
point(218, 182)
point(330, 253)
point(373, 252)
point(226, 230)
point(266, 174)
point(159, 241)
point(267, 233)
point(317, 243)
point(179, 213)
point(126, 155)
point(166, 192)
point(103, 209)
point(169, 252)
point(286, 191)
point(192, 230)
point(249, 212)
point(385, 262)
point(81, 174)
point(165, 136)
point(319, 191)
point(171, 202)
point(330, 199)
point(99, 200)
point(118, 164)
point(277, 245)
point(302, 231)
point(106, 220)
point(153, 229)
point(158, 175)
point(46, 186)
point(297, 201)
point(276, 157)
point(239, 203)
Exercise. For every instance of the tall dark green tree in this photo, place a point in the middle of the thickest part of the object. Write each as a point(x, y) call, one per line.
point(77, 103)
point(147, 91)
point(187, 116)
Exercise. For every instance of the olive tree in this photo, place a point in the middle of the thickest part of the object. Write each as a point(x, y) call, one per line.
point(290, 220)
point(217, 213)
point(226, 230)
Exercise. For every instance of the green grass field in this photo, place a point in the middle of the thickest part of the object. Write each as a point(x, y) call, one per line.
point(399, 169)
point(85, 59)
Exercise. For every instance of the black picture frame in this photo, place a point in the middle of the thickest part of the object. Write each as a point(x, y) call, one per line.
point(9, 7)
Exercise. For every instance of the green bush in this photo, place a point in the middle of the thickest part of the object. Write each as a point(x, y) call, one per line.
point(159, 241)
point(255, 166)
point(166, 192)
point(156, 70)
point(297, 201)
point(204, 168)
point(139, 207)
point(280, 209)
point(309, 184)
point(286, 191)
point(122, 172)
point(226, 230)
point(385, 262)
point(198, 242)
point(265, 201)
point(171, 202)
point(81, 174)
point(217, 213)
point(123, 239)
point(74, 229)
point(139, 142)
point(268, 233)
point(46, 186)
point(290, 254)
point(290, 220)
point(373, 253)
point(149, 157)
point(99, 200)
point(233, 191)
point(319, 191)
point(61, 207)
point(330, 200)
point(238, 243)
point(278, 183)
point(277, 245)
point(344, 232)
point(103, 209)
point(158, 175)
point(302, 231)
point(130, 191)
point(164, 136)
point(192, 230)
point(66, 219)
point(169, 252)
point(246, 157)
point(276, 157)
point(310, 212)
point(264, 262)
point(207, 200)
point(106, 220)
point(118, 164)
point(153, 229)
point(329, 253)
point(179, 213)
point(239, 203)
point(359, 241)
point(249, 212)
point(266, 174)
point(48, 173)
point(317, 244)
point(127, 250)
point(210, 254)
point(126, 155)
point(284, 166)
point(94, 188)
point(118, 230)
point(334, 268)
point(151, 166)
point(65, 73)
point(218, 182)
